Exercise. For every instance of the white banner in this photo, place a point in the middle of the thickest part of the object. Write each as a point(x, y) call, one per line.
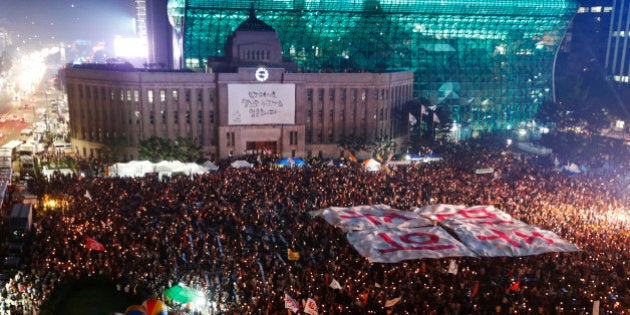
point(394, 245)
point(505, 240)
point(310, 307)
point(453, 215)
point(290, 303)
point(374, 216)
point(383, 234)
point(261, 104)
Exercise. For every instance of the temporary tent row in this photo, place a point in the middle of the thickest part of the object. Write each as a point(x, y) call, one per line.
point(141, 168)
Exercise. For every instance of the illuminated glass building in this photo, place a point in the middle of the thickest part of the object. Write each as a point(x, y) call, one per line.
point(617, 57)
point(487, 65)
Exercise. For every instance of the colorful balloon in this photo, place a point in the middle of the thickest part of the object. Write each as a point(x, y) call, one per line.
point(155, 307)
point(136, 310)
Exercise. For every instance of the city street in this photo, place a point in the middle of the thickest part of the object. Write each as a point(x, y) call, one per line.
point(16, 115)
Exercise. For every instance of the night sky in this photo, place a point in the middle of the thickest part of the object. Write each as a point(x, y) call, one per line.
point(67, 20)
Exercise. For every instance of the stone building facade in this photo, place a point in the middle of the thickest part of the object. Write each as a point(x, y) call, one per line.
point(250, 101)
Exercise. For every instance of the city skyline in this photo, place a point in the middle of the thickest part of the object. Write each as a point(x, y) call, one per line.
point(33, 22)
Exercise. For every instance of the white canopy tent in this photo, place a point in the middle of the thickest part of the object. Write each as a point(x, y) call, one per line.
point(241, 164)
point(141, 168)
point(372, 165)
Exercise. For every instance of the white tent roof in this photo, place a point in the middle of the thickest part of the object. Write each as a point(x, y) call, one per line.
point(141, 168)
point(210, 166)
point(372, 165)
point(241, 164)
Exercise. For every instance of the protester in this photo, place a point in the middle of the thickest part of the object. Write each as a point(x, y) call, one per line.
point(228, 233)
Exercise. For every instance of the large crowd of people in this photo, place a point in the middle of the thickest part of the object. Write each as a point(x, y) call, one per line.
point(227, 233)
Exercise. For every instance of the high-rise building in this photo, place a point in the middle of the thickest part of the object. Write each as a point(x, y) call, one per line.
point(617, 56)
point(153, 24)
point(485, 65)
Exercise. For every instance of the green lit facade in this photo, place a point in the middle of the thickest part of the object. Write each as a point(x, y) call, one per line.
point(486, 65)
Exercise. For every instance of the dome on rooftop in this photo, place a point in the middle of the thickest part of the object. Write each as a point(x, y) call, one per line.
point(254, 24)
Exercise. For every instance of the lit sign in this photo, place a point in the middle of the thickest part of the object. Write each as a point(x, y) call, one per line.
point(261, 104)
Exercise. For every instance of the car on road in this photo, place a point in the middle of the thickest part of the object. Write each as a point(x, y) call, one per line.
point(3, 119)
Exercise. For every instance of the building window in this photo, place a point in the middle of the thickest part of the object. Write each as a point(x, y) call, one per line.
point(320, 115)
point(175, 95)
point(309, 136)
point(211, 117)
point(211, 95)
point(353, 94)
point(331, 95)
point(199, 95)
point(309, 113)
point(136, 96)
point(163, 115)
point(162, 96)
point(320, 95)
point(200, 117)
point(176, 117)
point(332, 115)
point(187, 95)
point(309, 95)
point(230, 139)
point(293, 138)
point(363, 94)
point(342, 95)
point(151, 117)
point(150, 96)
point(188, 117)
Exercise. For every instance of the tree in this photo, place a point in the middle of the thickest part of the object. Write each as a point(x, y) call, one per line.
point(381, 146)
point(162, 149)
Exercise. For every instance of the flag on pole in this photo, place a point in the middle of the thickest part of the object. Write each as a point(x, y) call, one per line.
point(292, 256)
point(352, 158)
point(390, 156)
point(515, 285)
point(436, 118)
point(87, 195)
point(475, 289)
point(310, 307)
point(412, 119)
point(290, 303)
point(392, 302)
point(423, 110)
point(94, 245)
point(335, 284)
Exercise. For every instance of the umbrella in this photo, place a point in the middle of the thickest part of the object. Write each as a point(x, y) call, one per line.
point(182, 294)
point(155, 307)
point(291, 162)
point(135, 310)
